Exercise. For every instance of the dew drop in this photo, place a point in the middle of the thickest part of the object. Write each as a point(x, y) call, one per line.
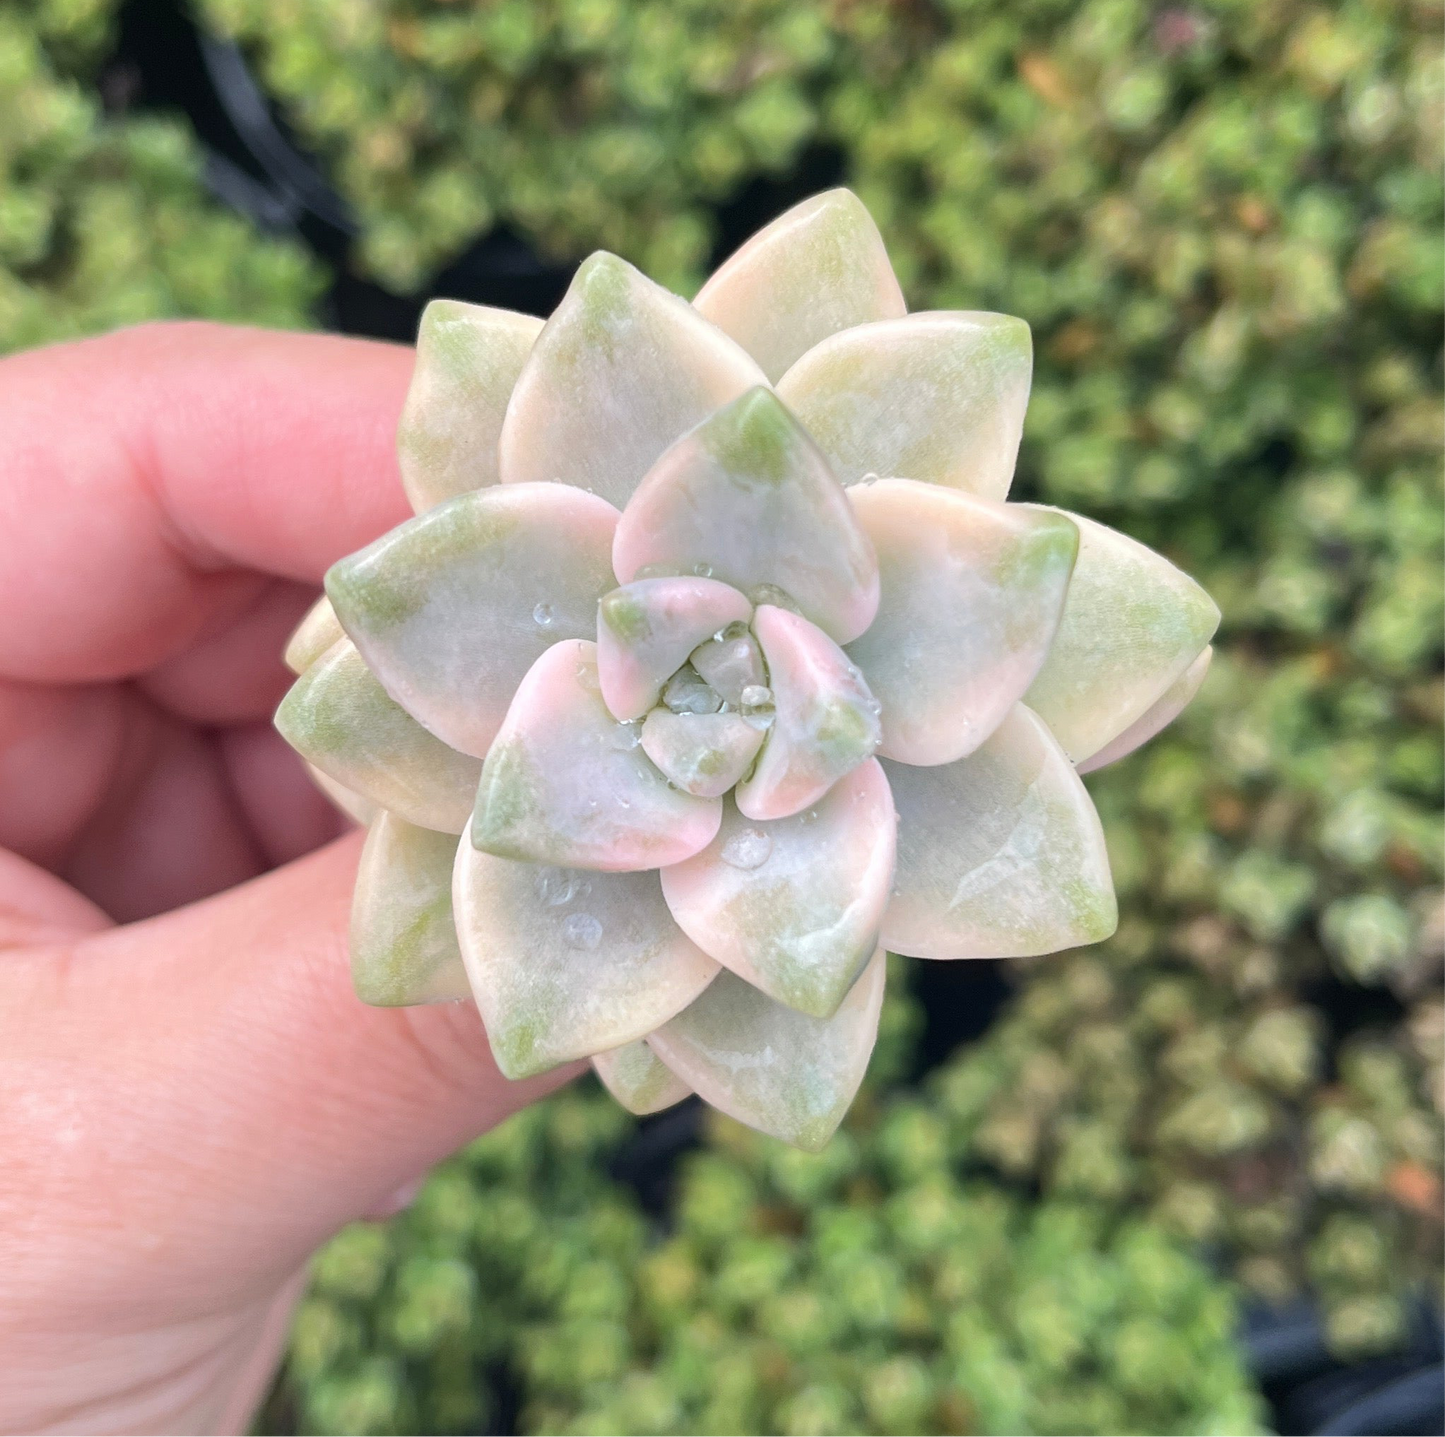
point(756, 696)
point(582, 930)
point(703, 571)
point(626, 736)
point(747, 849)
point(544, 616)
point(555, 887)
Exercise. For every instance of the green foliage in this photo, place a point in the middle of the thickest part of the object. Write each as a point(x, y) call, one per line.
point(586, 123)
point(871, 1288)
point(103, 220)
point(1222, 221)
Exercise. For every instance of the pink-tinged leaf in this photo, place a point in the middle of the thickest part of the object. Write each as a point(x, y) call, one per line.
point(769, 1066)
point(403, 936)
point(341, 720)
point(818, 268)
point(1164, 711)
point(639, 1079)
point(468, 357)
point(567, 784)
point(621, 369)
point(938, 397)
point(1000, 855)
point(747, 498)
point(825, 720)
point(566, 963)
point(793, 905)
point(1132, 625)
point(972, 591)
point(450, 609)
point(646, 630)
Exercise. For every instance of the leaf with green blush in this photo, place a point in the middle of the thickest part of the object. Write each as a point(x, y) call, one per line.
point(404, 946)
point(639, 1079)
point(819, 268)
point(1132, 624)
point(468, 357)
point(1000, 854)
point(620, 370)
point(769, 1066)
point(565, 963)
point(339, 718)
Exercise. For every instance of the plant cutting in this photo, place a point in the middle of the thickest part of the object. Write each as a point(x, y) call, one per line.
point(715, 665)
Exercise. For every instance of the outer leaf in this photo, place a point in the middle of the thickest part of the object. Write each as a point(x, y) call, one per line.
point(339, 718)
point(468, 358)
point(826, 720)
point(451, 608)
point(566, 784)
point(769, 1066)
point(971, 596)
point(819, 268)
point(747, 498)
point(403, 938)
point(639, 1079)
point(318, 630)
point(702, 754)
point(1000, 855)
point(1132, 624)
point(564, 964)
point(1158, 717)
point(793, 906)
point(358, 809)
point(646, 630)
point(620, 370)
point(937, 396)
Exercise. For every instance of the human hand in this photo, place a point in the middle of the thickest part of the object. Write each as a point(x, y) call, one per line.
point(191, 1098)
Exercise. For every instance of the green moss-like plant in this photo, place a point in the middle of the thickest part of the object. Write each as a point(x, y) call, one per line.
point(103, 219)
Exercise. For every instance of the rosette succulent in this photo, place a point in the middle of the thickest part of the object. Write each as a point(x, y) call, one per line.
point(714, 666)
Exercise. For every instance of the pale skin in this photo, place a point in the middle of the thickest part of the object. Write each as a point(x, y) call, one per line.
point(191, 1098)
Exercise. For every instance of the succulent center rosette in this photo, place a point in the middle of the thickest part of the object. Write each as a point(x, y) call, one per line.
point(714, 666)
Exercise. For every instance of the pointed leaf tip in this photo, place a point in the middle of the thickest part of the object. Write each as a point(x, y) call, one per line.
point(468, 357)
point(1132, 624)
point(565, 963)
point(565, 783)
point(620, 370)
point(403, 936)
point(453, 607)
point(826, 722)
point(340, 719)
point(1000, 855)
point(937, 396)
point(971, 593)
point(748, 498)
point(819, 268)
point(780, 1071)
point(639, 1079)
point(793, 905)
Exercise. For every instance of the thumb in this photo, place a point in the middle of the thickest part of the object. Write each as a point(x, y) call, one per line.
point(208, 1079)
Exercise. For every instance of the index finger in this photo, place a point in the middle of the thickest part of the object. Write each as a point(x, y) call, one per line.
point(148, 477)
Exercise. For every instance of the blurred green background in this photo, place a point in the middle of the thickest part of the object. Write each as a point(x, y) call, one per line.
point(1066, 1179)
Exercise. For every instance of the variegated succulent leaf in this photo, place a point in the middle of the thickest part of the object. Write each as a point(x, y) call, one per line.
point(715, 665)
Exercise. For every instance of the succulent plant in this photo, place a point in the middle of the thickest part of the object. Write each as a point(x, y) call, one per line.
point(719, 714)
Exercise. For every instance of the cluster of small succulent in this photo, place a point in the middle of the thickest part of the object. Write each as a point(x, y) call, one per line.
point(104, 219)
point(1222, 222)
point(869, 1288)
point(585, 123)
